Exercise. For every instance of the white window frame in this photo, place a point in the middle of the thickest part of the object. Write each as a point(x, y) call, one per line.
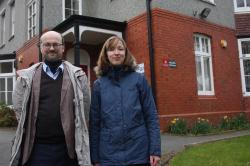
point(8, 75)
point(31, 19)
point(244, 9)
point(12, 18)
point(63, 7)
point(243, 57)
point(2, 27)
point(203, 55)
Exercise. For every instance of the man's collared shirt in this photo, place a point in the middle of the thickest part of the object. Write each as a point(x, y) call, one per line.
point(47, 70)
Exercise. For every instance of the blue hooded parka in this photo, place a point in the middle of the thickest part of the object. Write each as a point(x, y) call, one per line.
point(124, 125)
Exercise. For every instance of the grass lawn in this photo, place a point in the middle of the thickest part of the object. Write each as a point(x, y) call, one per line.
point(231, 152)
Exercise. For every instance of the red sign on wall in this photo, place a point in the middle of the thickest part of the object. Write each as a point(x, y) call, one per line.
point(165, 61)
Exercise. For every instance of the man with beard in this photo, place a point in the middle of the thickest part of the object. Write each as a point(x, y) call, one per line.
point(51, 101)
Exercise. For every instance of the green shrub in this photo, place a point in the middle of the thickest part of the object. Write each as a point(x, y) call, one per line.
point(201, 126)
point(7, 116)
point(178, 126)
point(239, 122)
point(226, 123)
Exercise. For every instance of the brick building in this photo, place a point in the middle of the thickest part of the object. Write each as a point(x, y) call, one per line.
point(188, 49)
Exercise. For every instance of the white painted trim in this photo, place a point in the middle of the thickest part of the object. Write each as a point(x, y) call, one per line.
point(68, 31)
point(85, 28)
point(242, 57)
point(63, 9)
point(80, 7)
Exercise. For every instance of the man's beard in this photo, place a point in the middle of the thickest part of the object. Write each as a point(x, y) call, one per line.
point(53, 57)
point(53, 63)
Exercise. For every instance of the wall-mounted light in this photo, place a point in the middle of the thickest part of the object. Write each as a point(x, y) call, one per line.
point(223, 43)
point(20, 59)
point(205, 12)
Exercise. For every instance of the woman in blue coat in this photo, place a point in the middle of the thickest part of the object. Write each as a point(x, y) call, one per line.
point(124, 126)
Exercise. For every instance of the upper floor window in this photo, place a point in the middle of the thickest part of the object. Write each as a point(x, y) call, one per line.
point(71, 7)
point(32, 19)
point(203, 61)
point(12, 18)
point(244, 55)
point(242, 5)
point(2, 28)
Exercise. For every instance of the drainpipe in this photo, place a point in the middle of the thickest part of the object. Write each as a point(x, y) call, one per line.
point(151, 49)
point(77, 45)
point(40, 27)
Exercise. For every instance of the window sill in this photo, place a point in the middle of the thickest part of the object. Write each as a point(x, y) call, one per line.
point(11, 37)
point(242, 12)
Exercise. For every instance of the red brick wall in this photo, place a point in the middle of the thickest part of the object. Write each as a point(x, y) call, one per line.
point(29, 53)
point(176, 87)
point(242, 22)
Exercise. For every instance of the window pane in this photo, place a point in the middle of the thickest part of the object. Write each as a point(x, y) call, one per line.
point(246, 64)
point(207, 74)
point(9, 84)
point(67, 13)
point(68, 4)
point(206, 45)
point(196, 44)
point(248, 3)
point(6, 67)
point(2, 97)
point(240, 3)
point(9, 98)
point(198, 73)
point(2, 84)
point(247, 83)
point(245, 46)
point(76, 6)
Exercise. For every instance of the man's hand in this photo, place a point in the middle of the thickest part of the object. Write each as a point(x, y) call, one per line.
point(154, 160)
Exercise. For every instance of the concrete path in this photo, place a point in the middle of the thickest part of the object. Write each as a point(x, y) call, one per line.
point(6, 135)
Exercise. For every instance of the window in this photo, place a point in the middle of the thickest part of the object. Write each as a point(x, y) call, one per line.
point(31, 19)
point(242, 5)
point(2, 28)
point(71, 7)
point(7, 79)
point(12, 18)
point(244, 55)
point(203, 61)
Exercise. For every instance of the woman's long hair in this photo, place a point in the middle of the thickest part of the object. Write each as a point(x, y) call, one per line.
point(103, 63)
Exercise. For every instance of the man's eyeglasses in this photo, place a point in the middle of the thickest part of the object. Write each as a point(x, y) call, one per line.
point(49, 45)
